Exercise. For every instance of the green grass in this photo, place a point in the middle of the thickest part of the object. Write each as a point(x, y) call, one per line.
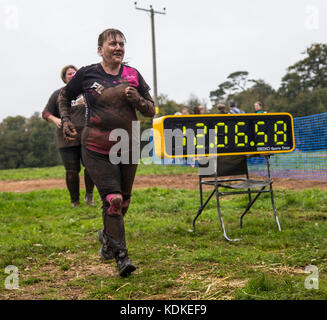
point(59, 172)
point(32, 173)
point(56, 248)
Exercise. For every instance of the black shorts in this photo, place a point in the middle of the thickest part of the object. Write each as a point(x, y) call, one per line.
point(72, 158)
point(108, 177)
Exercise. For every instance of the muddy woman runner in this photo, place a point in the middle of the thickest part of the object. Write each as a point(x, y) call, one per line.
point(70, 149)
point(113, 92)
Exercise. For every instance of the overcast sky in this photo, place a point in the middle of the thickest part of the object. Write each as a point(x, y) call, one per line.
point(199, 43)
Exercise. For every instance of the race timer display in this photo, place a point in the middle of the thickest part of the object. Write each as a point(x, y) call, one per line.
point(223, 134)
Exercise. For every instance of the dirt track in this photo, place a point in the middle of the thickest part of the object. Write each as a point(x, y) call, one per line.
point(182, 181)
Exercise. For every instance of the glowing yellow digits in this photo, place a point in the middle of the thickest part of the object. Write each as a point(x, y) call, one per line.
point(200, 135)
point(260, 133)
point(240, 134)
point(229, 134)
point(225, 128)
point(280, 133)
point(184, 138)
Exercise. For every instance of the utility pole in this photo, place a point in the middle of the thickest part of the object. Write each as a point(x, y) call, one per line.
point(154, 61)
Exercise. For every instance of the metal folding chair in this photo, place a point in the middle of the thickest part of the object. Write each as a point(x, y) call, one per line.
point(223, 174)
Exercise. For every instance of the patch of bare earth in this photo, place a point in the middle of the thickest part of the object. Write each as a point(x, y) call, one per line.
point(222, 288)
point(54, 283)
point(278, 269)
point(212, 287)
point(181, 181)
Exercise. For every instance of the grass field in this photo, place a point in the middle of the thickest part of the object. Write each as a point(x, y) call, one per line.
point(56, 250)
point(59, 172)
point(295, 163)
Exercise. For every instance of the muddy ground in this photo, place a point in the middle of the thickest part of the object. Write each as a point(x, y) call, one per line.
point(182, 181)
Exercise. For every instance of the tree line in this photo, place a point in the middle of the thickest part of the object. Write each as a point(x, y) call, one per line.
point(31, 142)
point(302, 92)
point(27, 142)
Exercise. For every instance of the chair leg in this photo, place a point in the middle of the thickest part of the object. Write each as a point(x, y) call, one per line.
point(249, 194)
point(201, 193)
point(221, 219)
point(271, 193)
point(274, 208)
point(197, 215)
point(244, 213)
point(201, 208)
point(249, 207)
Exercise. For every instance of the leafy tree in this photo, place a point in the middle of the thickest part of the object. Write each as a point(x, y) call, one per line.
point(220, 94)
point(13, 138)
point(308, 103)
point(27, 143)
point(291, 86)
point(193, 101)
point(259, 91)
point(303, 89)
point(41, 147)
point(239, 80)
point(307, 74)
point(168, 106)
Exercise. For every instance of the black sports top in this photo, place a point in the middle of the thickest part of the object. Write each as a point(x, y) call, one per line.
point(107, 107)
point(78, 119)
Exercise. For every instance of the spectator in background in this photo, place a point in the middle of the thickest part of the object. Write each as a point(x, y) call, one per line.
point(233, 107)
point(258, 106)
point(70, 151)
point(185, 111)
point(196, 110)
point(221, 108)
point(202, 109)
point(199, 109)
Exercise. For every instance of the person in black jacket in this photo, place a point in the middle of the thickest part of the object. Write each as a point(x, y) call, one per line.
point(70, 151)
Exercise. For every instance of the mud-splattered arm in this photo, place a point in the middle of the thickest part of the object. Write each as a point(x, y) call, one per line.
point(144, 104)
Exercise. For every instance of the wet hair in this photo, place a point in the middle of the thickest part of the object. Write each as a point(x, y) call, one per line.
point(64, 70)
point(104, 35)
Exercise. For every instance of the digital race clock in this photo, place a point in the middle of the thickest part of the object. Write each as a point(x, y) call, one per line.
point(223, 134)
